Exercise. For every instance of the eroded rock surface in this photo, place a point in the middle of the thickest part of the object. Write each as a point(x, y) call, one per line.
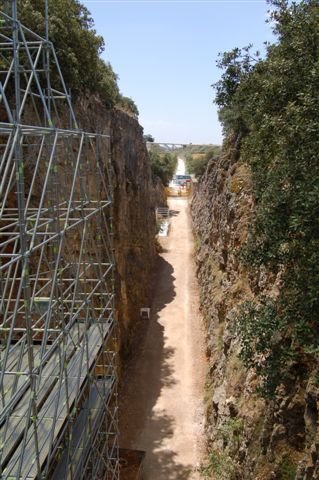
point(136, 195)
point(249, 438)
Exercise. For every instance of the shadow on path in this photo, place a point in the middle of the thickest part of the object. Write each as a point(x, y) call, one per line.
point(143, 425)
point(174, 213)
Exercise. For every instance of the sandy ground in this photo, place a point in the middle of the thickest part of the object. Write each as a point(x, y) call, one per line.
point(161, 398)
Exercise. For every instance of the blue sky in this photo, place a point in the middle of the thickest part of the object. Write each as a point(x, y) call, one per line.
point(165, 54)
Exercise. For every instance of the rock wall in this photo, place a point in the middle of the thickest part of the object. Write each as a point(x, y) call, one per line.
point(136, 195)
point(249, 438)
point(135, 200)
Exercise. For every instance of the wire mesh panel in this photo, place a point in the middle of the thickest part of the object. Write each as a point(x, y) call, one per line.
point(58, 382)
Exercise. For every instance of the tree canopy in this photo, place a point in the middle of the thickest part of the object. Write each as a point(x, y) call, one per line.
point(149, 138)
point(197, 162)
point(78, 47)
point(163, 165)
point(273, 104)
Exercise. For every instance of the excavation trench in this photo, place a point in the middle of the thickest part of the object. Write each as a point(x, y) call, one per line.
point(161, 409)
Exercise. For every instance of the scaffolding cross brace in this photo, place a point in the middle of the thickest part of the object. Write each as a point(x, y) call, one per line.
point(58, 343)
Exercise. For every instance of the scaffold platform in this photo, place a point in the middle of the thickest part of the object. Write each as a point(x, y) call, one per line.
point(58, 331)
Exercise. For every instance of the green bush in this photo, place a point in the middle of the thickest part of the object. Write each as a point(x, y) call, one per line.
point(149, 138)
point(78, 48)
point(163, 165)
point(287, 470)
point(219, 464)
point(265, 346)
point(197, 163)
point(128, 105)
point(275, 103)
point(231, 431)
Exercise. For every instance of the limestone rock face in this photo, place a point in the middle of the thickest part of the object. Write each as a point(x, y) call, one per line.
point(136, 195)
point(135, 200)
point(249, 438)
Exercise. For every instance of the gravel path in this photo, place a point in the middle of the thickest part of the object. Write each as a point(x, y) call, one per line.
point(162, 392)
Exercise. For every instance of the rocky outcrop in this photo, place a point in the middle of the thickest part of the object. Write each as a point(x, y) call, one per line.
point(249, 438)
point(136, 195)
point(135, 201)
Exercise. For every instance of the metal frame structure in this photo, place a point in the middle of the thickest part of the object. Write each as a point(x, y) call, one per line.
point(58, 381)
point(172, 147)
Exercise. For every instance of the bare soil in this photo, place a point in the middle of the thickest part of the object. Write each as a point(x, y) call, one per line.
point(161, 396)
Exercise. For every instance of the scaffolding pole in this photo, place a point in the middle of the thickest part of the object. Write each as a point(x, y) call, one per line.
point(58, 380)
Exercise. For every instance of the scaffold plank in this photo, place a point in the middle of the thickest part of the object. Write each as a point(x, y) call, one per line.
point(84, 429)
point(44, 360)
point(54, 411)
point(57, 335)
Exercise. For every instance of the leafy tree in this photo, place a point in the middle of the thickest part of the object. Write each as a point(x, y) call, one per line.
point(275, 103)
point(163, 165)
point(149, 138)
point(78, 47)
point(197, 163)
point(237, 65)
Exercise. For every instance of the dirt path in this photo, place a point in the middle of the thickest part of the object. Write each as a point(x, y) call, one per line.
point(161, 399)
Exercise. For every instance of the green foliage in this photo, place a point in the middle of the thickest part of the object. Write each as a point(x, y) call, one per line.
point(265, 345)
point(197, 163)
point(230, 432)
point(277, 101)
point(218, 464)
point(163, 165)
point(287, 470)
point(149, 138)
point(237, 65)
point(128, 105)
point(78, 48)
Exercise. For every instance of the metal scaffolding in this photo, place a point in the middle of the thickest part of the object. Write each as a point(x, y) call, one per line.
point(58, 383)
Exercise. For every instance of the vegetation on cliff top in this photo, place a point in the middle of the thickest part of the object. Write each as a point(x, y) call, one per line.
point(78, 47)
point(272, 105)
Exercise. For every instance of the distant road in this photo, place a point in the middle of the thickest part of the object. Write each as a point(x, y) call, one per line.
point(181, 167)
